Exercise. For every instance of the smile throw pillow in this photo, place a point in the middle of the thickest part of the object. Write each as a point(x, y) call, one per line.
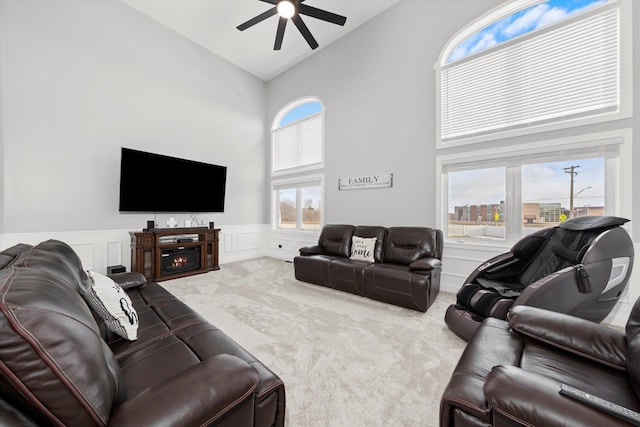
point(362, 248)
point(112, 303)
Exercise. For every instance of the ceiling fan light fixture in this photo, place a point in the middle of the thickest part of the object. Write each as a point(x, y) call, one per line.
point(286, 9)
point(293, 9)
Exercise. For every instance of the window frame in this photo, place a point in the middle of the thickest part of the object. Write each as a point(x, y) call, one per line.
point(618, 178)
point(298, 183)
point(625, 109)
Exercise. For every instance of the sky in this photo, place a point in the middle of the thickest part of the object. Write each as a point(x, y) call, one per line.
point(541, 183)
point(301, 111)
point(520, 23)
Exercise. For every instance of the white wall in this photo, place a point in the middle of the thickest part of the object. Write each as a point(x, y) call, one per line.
point(378, 87)
point(83, 78)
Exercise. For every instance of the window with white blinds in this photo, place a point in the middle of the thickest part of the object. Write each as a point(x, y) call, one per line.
point(565, 71)
point(297, 157)
point(298, 145)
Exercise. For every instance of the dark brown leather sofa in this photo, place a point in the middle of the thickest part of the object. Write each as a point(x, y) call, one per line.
point(510, 373)
point(406, 271)
point(59, 365)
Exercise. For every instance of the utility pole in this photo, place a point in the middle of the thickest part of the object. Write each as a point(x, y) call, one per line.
point(572, 171)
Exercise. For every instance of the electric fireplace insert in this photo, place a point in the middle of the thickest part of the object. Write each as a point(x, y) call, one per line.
point(180, 259)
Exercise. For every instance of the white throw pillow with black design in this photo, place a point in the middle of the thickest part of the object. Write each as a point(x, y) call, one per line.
point(362, 248)
point(111, 302)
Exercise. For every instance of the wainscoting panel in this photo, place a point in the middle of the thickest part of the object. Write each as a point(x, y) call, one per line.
point(227, 242)
point(101, 248)
point(286, 244)
point(86, 251)
point(240, 242)
point(250, 241)
point(114, 253)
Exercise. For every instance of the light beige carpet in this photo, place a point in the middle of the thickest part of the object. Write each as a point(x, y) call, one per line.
point(345, 360)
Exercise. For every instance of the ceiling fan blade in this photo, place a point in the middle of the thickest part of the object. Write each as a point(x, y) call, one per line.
point(304, 31)
point(253, 21)
point(275, 2)
point(282, 24)
point(321, 14)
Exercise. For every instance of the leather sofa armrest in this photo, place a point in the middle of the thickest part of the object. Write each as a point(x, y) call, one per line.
point(425, 264)
point(519, 397)
point(581, 337)
point(197, 396)
point(128, 280)
point(311, 250)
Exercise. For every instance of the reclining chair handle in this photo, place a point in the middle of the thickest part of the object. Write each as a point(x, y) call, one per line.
point(584, 286)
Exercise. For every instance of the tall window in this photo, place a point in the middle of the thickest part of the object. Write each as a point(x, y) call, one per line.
point(523, 69)
point(297, 156)
point(529, 67)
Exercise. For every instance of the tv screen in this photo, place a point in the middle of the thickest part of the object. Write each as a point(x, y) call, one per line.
point(155, 183)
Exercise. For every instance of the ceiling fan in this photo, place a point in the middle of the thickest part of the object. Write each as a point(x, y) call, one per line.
point(292, 9)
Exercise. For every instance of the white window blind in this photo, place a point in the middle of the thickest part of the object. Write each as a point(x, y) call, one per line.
point(566, 71)
point(298, 145)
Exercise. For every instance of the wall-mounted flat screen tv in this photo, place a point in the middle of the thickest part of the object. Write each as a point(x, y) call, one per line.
point(155, 183)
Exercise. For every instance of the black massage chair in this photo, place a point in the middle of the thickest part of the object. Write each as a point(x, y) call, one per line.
point(580, 267)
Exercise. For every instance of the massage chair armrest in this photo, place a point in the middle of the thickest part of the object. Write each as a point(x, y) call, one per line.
point(129, 279)
point(311, 250)
point(198, 396)
point(519, 397)
point(574, 335)
point(425, 264)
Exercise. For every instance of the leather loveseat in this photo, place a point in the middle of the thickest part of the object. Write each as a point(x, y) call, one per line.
point(59, 365)
point(511, 372)
point(404, 268)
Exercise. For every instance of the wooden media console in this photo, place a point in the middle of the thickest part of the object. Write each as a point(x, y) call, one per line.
point(189, 251)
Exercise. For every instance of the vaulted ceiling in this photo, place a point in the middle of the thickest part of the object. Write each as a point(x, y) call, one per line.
point(212, 24)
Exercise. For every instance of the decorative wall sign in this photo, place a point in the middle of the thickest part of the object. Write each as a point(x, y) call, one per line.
point(368, 181)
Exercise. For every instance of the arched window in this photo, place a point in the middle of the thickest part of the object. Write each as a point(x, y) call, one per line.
point(530, 66)
point(298, 137)
point(297, 157)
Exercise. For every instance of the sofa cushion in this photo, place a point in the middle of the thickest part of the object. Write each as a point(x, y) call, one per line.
point(314, 269)
point(405, 245)
point(362, 248)
point(396, 284)
point(111, 302)
point(336, 239)
point(54, 364)
point(348, 275)
point(59, 259)
point(13, 254)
